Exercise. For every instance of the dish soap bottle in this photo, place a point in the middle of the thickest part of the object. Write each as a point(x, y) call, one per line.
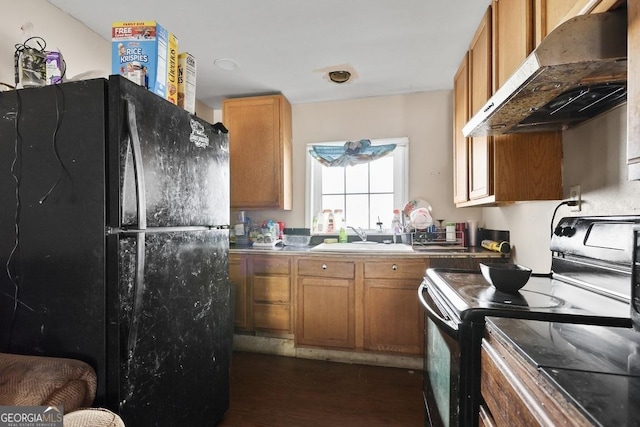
point(342, 236)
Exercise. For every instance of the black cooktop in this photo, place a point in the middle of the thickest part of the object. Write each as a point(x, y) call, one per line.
point(467, 296)
point(597, 367)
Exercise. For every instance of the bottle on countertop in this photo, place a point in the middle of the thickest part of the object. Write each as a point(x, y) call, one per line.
point(342, 236)
point(330, 222)
point(502, 247)
point(338, 216)
point(396, 222)
point(451, 232)
point(322, 221)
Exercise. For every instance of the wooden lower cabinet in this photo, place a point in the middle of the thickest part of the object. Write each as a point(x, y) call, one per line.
point(239, 280)
point(393, 317)
point(366, 304)
point(272, 294)
point(326, 303)
point(517, 394)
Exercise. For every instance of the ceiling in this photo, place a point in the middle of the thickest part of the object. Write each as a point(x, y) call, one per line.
point(288, 46)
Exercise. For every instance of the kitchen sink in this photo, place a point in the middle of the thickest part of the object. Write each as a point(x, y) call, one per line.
point(361, 247)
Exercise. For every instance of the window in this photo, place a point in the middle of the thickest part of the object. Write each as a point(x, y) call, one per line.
point(365, 192)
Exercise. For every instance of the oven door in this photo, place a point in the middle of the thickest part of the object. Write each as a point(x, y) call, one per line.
point(448, 370)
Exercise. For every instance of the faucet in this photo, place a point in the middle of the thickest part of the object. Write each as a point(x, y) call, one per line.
point(360, 232)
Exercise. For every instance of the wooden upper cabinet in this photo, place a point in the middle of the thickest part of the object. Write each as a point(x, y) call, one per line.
point(259, 152)
point(512, 37)
point(480, 54)
point(506, 168)
point(551, 13)
point(633, 94)
point(480, 157)
point(460, 143)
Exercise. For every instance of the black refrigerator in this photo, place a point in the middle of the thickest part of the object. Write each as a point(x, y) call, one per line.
point(114, 244)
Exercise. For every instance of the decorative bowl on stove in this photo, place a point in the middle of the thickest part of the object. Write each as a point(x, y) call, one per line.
point(505, 277)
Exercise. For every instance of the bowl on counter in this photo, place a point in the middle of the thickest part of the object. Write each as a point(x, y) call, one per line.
point(505, 277)
point(296, 240)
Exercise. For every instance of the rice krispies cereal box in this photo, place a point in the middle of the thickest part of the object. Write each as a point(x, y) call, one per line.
point(187, 82)
point(140, 52)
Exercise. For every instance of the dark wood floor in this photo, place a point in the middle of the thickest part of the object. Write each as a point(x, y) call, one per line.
point(277, 391)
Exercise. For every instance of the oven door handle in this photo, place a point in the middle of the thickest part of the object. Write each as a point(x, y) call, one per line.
point(443, 322)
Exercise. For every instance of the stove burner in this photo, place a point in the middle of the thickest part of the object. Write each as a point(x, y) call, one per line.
point(491, 297)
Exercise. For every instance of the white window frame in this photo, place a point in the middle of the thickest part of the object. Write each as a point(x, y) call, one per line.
point(313, 193)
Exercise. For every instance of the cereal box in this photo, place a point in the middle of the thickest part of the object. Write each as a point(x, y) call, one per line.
point(171, 92)
point(140, 52)
point(187, 82)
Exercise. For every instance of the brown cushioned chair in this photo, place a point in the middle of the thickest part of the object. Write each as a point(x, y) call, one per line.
point(43, 381)
point(54, 381)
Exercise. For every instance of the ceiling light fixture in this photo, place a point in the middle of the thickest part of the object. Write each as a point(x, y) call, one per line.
point(339, 76)
point(226, 64)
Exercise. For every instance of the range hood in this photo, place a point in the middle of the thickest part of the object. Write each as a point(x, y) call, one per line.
point(578, 71)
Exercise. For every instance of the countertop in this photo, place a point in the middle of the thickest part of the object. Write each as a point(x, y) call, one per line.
point(422, 253)
point(596, 368)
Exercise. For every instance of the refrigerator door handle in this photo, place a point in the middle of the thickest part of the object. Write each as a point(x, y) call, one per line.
point(138, 168)
point(138, 292)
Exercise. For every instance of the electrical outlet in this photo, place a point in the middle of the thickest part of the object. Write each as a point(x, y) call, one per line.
point(574, 194)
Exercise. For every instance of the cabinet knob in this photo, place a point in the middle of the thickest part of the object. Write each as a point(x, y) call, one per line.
point(324, 266)
point(394, 267)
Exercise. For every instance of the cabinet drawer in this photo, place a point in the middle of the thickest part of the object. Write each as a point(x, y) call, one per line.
point(272, 289)
point(275, 317)
point(272, 265)
point(395, 270)
point(326, 268)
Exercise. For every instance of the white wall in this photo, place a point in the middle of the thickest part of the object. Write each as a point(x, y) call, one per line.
point(426, 118)
point(82, 49)
point(595, 159)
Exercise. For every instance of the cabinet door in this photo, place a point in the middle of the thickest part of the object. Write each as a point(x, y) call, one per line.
point(528, 167)
point(238, 277)
point(480, 148)
point(512, 37)
point(393, 317)
point(326, 312)
point(259, 151)
point(633, 104)
point(460, 143)
point(394, 320)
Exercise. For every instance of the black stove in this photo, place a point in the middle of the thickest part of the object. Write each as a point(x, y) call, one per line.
point(589, 284)
point(596, 367)
point(466, 296)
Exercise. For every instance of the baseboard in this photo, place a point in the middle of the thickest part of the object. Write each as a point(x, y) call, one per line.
point(286, 347)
